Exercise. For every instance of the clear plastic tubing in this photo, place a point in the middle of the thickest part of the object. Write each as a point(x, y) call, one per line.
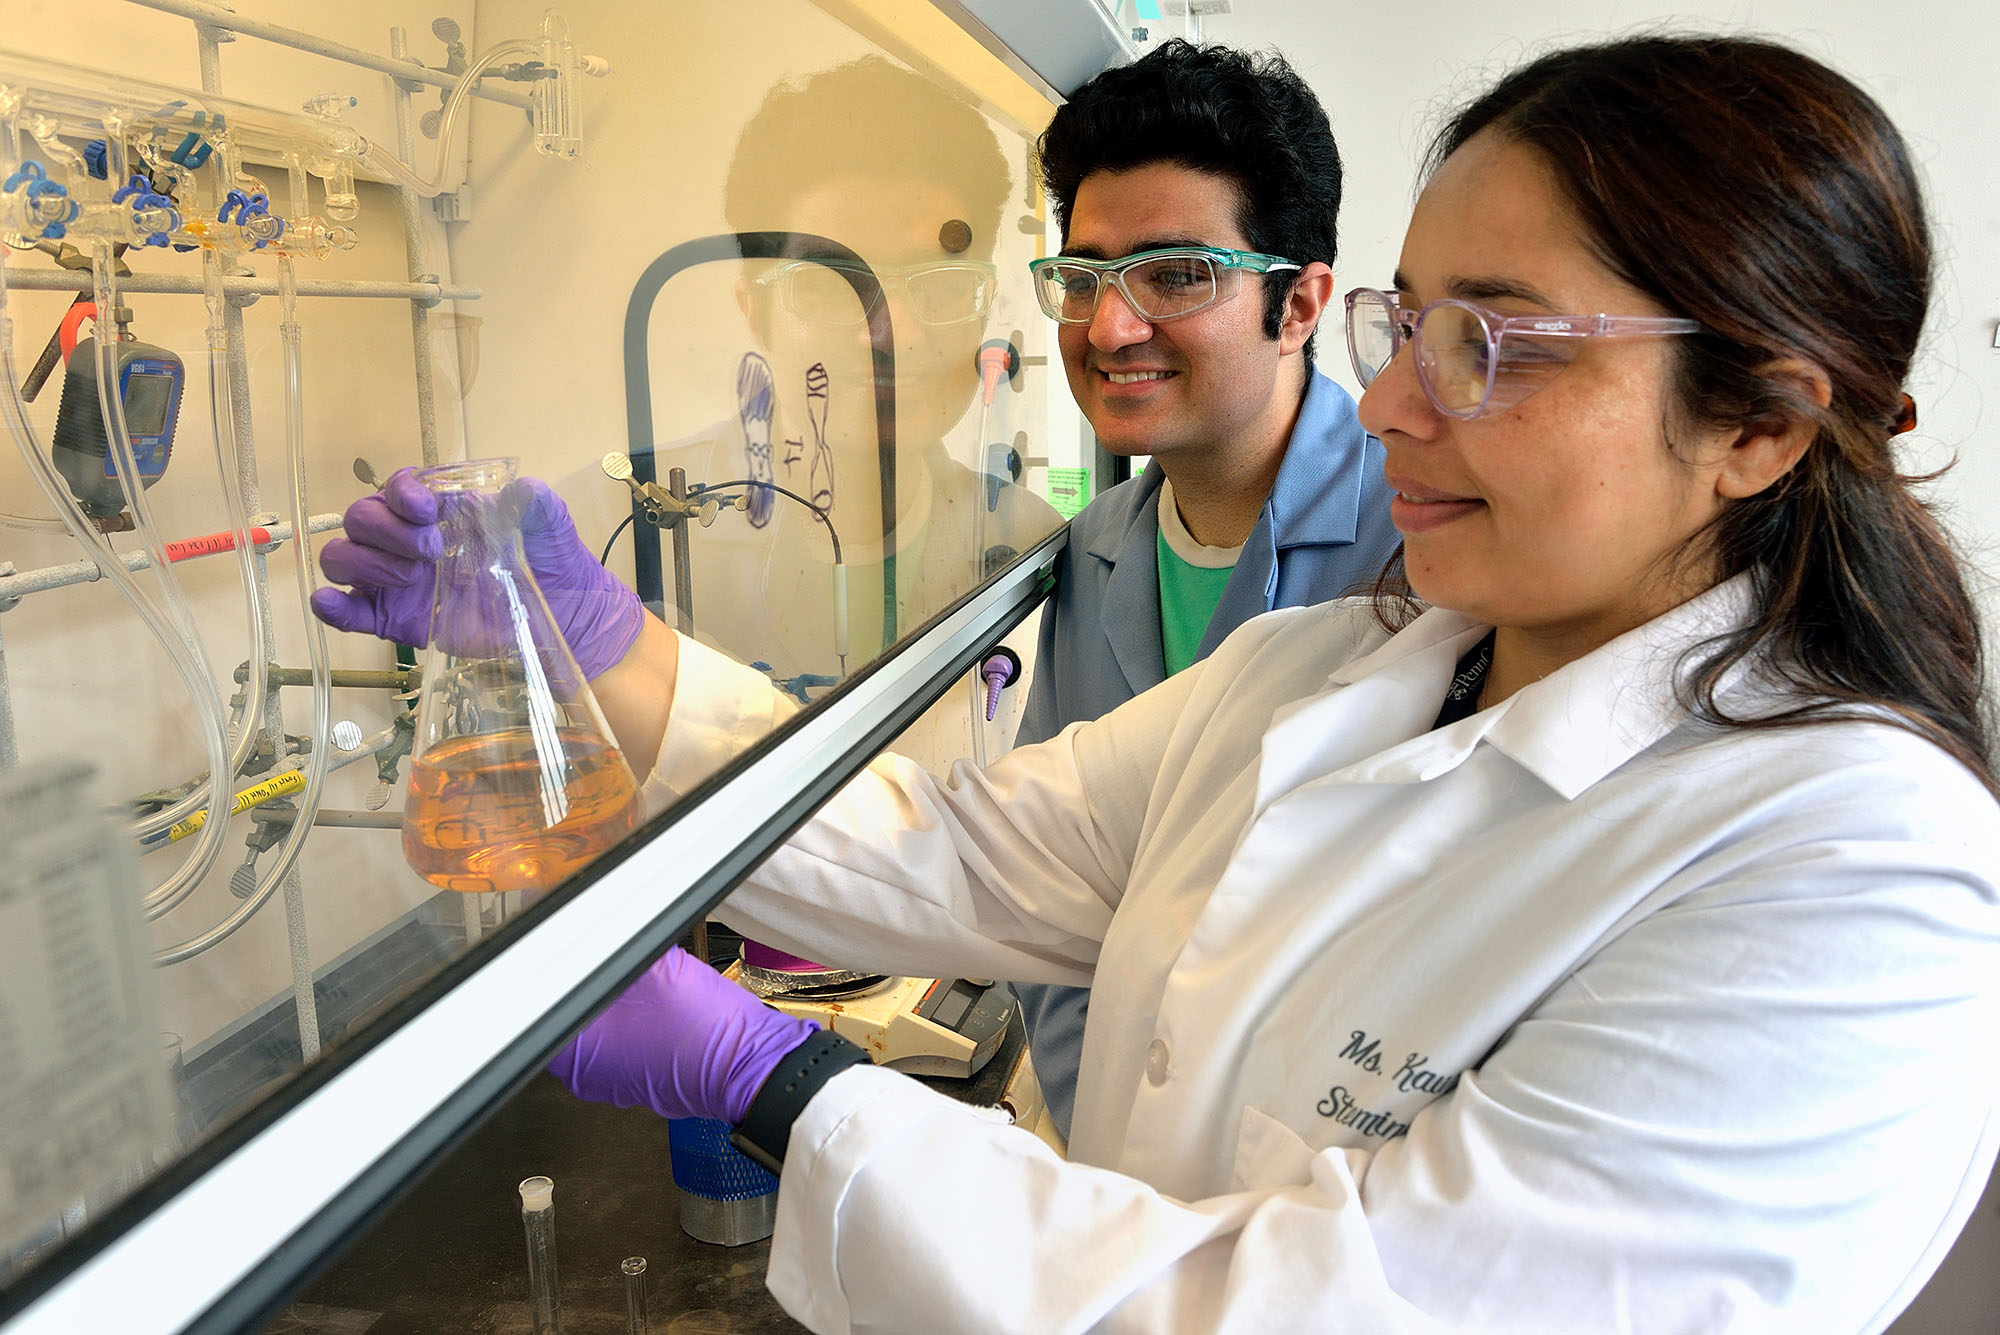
point(634, 1270)
point(318, 760)
point(538, 1218)
point(178, 617)
point(248, 721)
point(222, 417)
point(389, 165)
point(176, 629)
point(193, 672)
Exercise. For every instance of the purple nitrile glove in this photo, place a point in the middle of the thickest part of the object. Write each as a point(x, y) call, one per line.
point(683, 1041)
point(389, 558)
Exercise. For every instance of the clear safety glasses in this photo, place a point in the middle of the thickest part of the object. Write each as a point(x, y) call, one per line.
point(951, 292)
point(1471, 360)
point(1158, 285)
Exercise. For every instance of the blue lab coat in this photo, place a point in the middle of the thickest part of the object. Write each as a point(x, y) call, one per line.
point(1324, 531)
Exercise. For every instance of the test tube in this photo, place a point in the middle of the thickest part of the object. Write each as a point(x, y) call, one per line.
point(538, 1218)
point(635, 1294)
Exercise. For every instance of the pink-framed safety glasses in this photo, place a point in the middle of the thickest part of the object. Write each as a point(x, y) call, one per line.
point(1472, 360)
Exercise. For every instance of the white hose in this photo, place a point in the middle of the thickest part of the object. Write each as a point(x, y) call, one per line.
point(318, 760)
point(222, 416)
point(192, 671)
point(178, 620)
point(430, 186)
point(248, 720)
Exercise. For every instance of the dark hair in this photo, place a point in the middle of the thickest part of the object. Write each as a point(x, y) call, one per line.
point(866, 117)
point(1751, 188)
point(1241, 115)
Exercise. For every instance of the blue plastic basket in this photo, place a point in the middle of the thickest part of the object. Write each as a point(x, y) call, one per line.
point(705, 1164)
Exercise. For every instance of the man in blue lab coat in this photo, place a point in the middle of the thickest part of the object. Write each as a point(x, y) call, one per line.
point(1197, 192)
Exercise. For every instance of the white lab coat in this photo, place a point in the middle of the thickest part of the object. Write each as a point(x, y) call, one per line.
point(1575, 1015)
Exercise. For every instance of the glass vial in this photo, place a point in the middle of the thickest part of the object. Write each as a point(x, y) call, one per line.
point(515, 781)
point(538, 1218)
point(634, 1270)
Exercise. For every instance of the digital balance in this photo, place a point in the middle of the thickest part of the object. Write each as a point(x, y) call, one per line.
point(920, 1026)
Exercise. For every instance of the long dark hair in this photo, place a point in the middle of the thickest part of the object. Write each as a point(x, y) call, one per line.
point(1751, 188)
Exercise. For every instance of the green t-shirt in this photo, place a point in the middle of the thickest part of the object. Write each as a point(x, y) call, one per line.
point(1189, 588)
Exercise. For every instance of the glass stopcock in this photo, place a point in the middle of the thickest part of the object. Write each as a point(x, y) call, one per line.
point(515, 779)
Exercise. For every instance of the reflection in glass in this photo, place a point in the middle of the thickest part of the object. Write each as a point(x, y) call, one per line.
point(937, 294)
point(872, 163)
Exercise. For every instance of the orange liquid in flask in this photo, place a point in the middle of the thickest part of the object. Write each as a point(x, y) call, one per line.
point(478, 813)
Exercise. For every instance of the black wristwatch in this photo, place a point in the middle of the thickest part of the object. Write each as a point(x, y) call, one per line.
point(767, 1127)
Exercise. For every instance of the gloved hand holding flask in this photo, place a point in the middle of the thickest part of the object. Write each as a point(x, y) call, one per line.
point(389, 558)
point(516, 778)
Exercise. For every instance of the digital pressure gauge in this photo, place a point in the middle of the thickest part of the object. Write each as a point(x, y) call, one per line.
point(150, 380)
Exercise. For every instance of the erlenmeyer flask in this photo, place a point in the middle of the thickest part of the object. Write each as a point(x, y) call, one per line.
point(515, 781)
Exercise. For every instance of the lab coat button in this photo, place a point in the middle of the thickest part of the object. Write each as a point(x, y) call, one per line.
point(1156, 1062)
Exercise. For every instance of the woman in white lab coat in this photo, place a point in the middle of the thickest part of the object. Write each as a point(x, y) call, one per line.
point(1611, 948)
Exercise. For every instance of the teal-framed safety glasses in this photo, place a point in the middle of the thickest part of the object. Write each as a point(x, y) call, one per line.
point(1159, 285)
point(938, 293)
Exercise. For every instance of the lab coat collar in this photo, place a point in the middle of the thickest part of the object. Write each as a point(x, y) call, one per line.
point(1316, 497)
point(1573, 727)
point(1132, 593)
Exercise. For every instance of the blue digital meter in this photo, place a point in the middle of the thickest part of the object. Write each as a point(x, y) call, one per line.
point(150, 380)
point(151, 389)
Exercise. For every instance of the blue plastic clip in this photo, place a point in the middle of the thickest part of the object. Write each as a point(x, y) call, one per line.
point(35, 178)
point(140, 191)
point(94, 160)
point(260, 207)
point(248, 207)
point(193, 151)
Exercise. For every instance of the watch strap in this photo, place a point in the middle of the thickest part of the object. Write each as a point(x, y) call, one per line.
point(767, 1127)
